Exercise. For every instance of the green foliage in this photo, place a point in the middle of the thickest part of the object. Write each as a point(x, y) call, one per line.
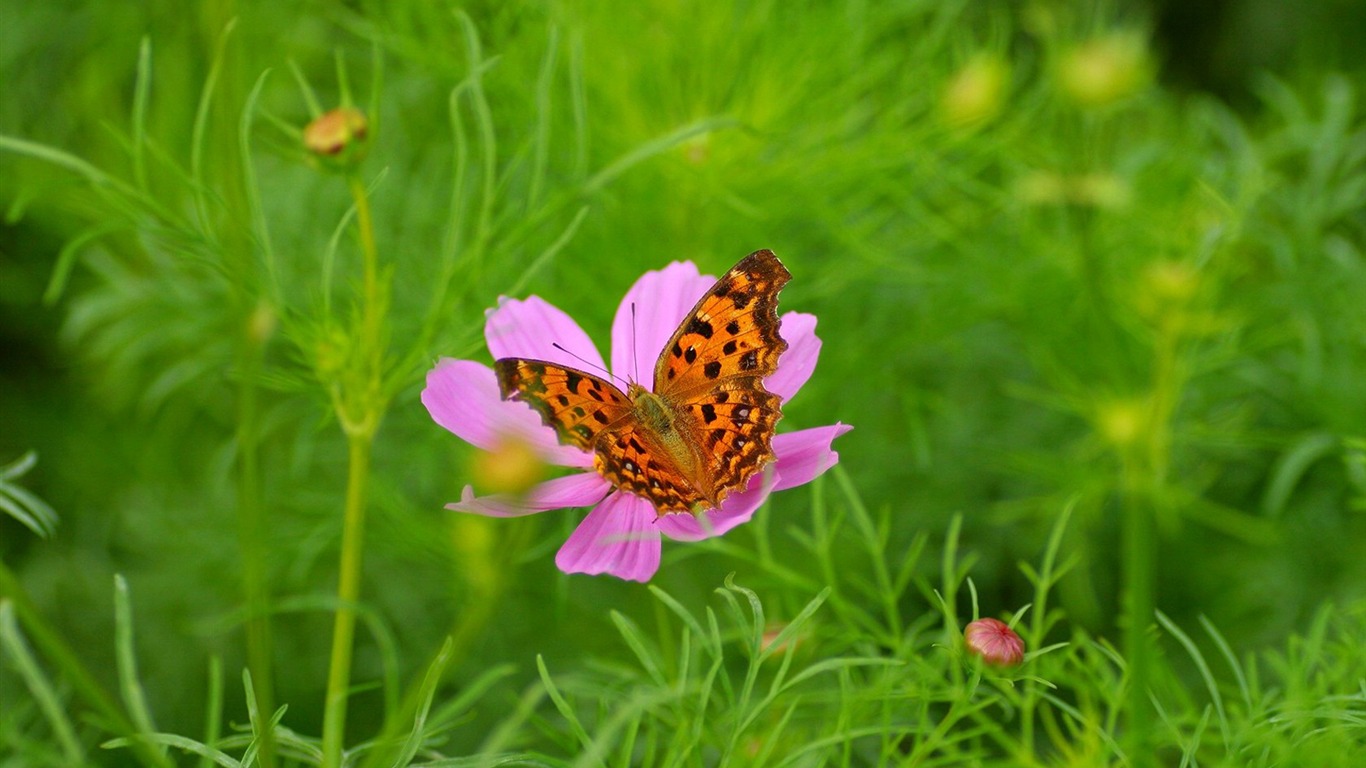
point(1100, 340)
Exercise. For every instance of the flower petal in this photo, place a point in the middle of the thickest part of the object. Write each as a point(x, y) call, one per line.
point(618, 537)
point(799, 361)
point(805, 454)
point(738, 508)
point(661, 299)
point(531, 328)
point(580, 489)
point(462, 396)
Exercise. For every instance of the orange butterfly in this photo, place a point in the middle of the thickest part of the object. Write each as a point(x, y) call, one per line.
point(707, 424)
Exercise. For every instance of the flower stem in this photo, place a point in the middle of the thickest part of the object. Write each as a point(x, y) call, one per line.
point(1144, 475)
point(348, 591)
point(250, 533)
point(359, 402)
point(373, 307)
point(1138, 609)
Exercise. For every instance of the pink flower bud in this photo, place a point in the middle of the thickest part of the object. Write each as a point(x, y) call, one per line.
point(995, 642)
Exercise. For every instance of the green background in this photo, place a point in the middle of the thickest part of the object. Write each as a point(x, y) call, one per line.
point(1142, 299)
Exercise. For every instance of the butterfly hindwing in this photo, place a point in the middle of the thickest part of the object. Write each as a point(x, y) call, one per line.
point(576, 404)
point(737, 426)
point(631, 459)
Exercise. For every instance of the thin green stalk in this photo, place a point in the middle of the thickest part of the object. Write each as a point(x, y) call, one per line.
point(251, 535)
point(1138, 606)
point(1144, 475)
point(348, 591)
point(372, 310)
point(360, 406)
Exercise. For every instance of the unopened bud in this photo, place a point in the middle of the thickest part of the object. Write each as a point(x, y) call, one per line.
point(995, 642)
point(1104, 70)
point(338, 137)
point(976, 93)
point(1122, 422)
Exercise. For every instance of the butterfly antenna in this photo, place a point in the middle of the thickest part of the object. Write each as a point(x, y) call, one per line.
point(635, 364)
point(587, 363)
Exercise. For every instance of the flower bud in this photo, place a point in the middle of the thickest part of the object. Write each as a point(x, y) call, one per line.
point(995, 642)
point(338, 137)
point(1104, 70)
point(976, 93)
point(1122, 422)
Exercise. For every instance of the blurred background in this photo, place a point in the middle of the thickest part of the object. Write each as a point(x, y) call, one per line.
point(1061, 254)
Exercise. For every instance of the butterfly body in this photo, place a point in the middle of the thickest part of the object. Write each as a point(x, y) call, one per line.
point(706, 426)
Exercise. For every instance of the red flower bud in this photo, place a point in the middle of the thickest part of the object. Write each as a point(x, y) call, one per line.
point(995, 642)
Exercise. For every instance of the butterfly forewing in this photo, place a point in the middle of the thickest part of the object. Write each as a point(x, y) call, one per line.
point(577, 405)
point(713, 370)
point(731, 332)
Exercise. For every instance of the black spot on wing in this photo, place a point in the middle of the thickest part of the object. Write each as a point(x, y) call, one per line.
point(700, 327)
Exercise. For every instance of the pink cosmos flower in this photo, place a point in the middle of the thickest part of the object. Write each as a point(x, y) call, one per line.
point(622, 533)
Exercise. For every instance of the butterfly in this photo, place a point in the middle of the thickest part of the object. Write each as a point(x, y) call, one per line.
point(706, 425)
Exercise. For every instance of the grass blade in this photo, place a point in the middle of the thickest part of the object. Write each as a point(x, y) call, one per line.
point(44, 694)
point(130, 687)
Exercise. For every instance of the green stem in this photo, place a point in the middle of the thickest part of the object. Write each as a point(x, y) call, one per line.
point(1145, 474)
point(348, 591)
point(1138, 607)
point(373, 308)
point(360, 405)
point(253, 542)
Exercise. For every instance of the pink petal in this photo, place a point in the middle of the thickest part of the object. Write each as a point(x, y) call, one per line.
point(618, 537)
point(661, 299)
point(738, 508)
point(462, 396)
point(805, 454)
point(580, 489)
point(530, 328)
point(799, 361)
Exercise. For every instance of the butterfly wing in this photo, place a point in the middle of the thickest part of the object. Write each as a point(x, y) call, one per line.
point(591, 413)
point(632, 457)
point(712, 372)
point(708, 425)
point(577, 405)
